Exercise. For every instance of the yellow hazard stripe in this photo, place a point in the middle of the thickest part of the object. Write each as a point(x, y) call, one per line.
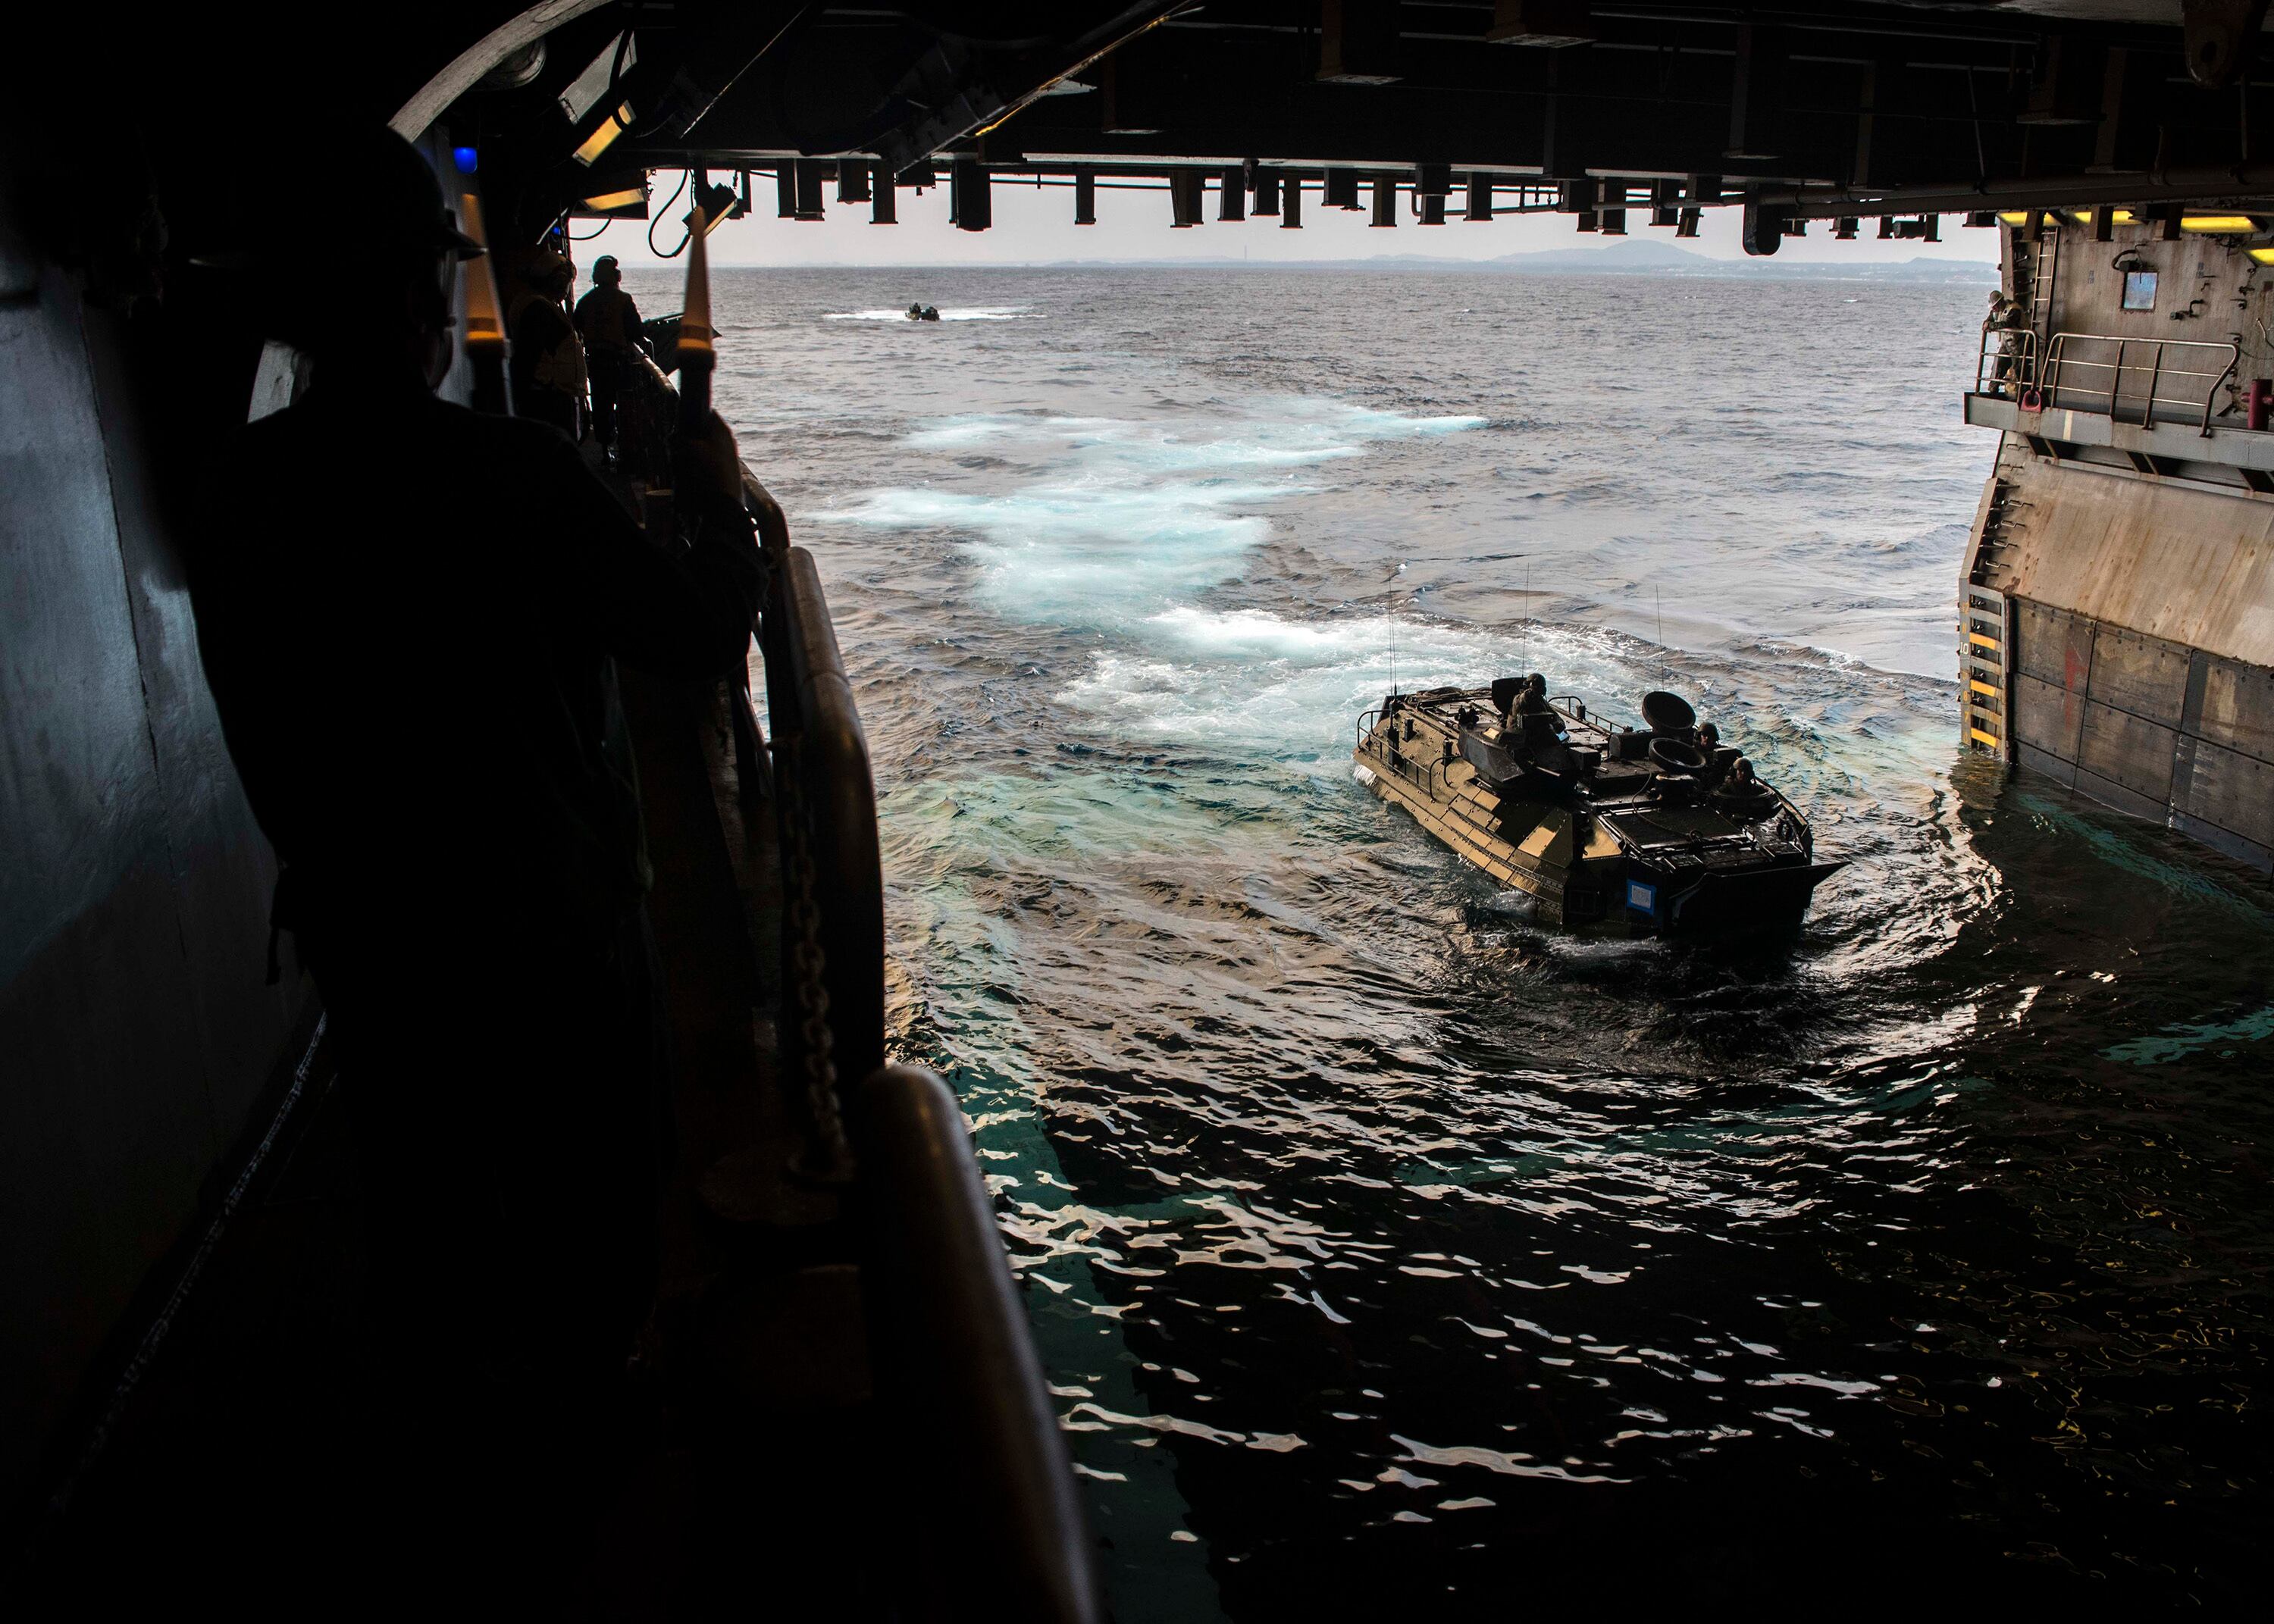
point(1980, 737)
point(1984, 688)
point(1976, 637)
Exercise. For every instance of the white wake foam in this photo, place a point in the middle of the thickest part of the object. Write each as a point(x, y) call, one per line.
point(1120, 518)
point(1294, 688)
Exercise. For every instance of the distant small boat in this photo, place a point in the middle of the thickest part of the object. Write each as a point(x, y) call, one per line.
point(923, 312)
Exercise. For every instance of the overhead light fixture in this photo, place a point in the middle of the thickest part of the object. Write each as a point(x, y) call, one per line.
point(613, 125)
point(718, 203)
point(466, 159)
point(608, 201)
point(2217, 224)
point(2265, 256)
point(605, 71)
point(2123, 217)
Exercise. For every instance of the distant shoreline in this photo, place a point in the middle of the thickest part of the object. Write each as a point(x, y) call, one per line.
point(1908, 273)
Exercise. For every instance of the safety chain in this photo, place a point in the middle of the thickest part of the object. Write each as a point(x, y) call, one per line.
point(809, 962)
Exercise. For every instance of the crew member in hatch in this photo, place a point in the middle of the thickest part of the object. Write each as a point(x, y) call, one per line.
point(1537, 719)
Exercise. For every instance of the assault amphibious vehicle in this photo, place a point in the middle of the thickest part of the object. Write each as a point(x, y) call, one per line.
point(1662, 827)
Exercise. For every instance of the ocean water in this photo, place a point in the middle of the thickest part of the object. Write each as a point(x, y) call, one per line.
point(1386, 1249)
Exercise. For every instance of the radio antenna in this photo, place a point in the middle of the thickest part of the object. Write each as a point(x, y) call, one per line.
point(1527, 615)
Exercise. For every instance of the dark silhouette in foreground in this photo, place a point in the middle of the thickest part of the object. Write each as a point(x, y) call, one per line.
point(411, 614)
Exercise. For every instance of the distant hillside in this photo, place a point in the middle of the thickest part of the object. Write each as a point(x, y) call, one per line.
point(1643, 257)
point(1641, 253)
point(1635, 257)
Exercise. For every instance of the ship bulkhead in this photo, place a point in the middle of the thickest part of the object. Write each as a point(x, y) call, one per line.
point(2116, 609)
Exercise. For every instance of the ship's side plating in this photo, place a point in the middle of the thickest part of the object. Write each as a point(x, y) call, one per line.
point(2116, 624)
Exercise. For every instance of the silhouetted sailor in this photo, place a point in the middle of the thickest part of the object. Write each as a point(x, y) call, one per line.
point(410, 616)
point(609, 324)
point(548, 363)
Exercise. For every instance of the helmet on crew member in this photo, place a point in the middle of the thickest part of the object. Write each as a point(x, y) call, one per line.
point(547, 270)
point(395, 290)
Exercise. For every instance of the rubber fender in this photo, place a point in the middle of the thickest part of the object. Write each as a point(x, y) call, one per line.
point(1764, 229)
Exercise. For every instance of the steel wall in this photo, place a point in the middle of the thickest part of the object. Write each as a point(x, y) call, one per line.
point(136, 1031)
point(2150, 726)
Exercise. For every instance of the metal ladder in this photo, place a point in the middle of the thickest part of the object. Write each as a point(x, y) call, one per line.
point(1985, 640)
point(2045, 270)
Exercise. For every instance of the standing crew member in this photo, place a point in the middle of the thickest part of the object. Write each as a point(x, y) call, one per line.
point(548, 363)
point(411, 615)
point(2008, 318)
point(609, 324)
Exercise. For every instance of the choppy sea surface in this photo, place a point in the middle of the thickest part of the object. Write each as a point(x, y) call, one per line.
point(1386, 1249)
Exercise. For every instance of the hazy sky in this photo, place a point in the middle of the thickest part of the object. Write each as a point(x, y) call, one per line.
point(1037, 225)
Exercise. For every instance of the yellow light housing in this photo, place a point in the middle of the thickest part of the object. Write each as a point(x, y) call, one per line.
point(694, 330)
point(2217, 223)
point(613, 125)
point(617, 200)
point(2265, 256)
point(2015, 217)
point(484, 329)
point(2123, 217)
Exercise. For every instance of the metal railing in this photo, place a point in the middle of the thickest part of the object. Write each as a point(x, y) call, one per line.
point(1423, 774)
point(824, 799)
point(1001, 1525)
point(2008, 364)
point(2127, 379)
